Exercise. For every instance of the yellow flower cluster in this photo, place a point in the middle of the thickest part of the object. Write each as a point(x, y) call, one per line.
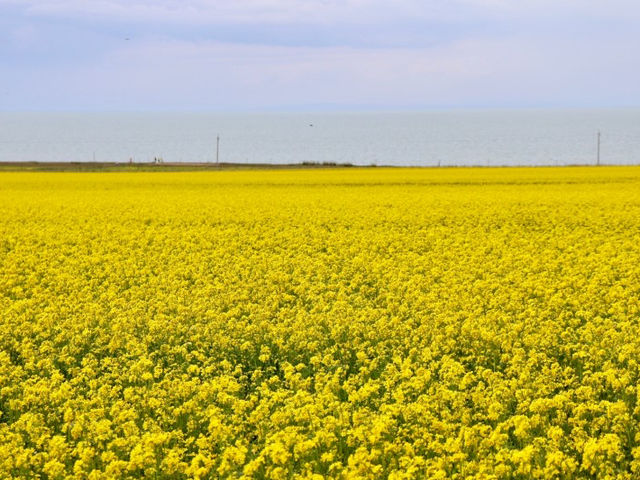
point(349, 323)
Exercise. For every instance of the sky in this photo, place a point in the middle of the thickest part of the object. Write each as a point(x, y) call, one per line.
point(292, 55)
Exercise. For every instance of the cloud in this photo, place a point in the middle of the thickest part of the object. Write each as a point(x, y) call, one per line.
point(256, 54)
point(216, 12)
point(320, 11)
point(205, 76)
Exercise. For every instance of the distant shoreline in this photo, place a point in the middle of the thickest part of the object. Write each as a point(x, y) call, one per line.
point(195, 166)
point(163, 166)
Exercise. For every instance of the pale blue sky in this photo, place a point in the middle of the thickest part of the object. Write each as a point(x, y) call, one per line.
point(317, 54)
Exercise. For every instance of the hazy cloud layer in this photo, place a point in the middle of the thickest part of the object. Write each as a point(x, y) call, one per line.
point(271, 54)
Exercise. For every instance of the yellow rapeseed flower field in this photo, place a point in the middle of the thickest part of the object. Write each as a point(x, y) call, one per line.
point(310, 324)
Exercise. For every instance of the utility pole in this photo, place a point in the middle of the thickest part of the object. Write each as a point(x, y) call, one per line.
point(598, 150)
point(218, 149)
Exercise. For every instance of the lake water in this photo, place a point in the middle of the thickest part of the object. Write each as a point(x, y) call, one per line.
point(522, 137)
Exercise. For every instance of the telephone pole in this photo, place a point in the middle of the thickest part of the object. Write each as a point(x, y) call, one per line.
point(598, 150)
